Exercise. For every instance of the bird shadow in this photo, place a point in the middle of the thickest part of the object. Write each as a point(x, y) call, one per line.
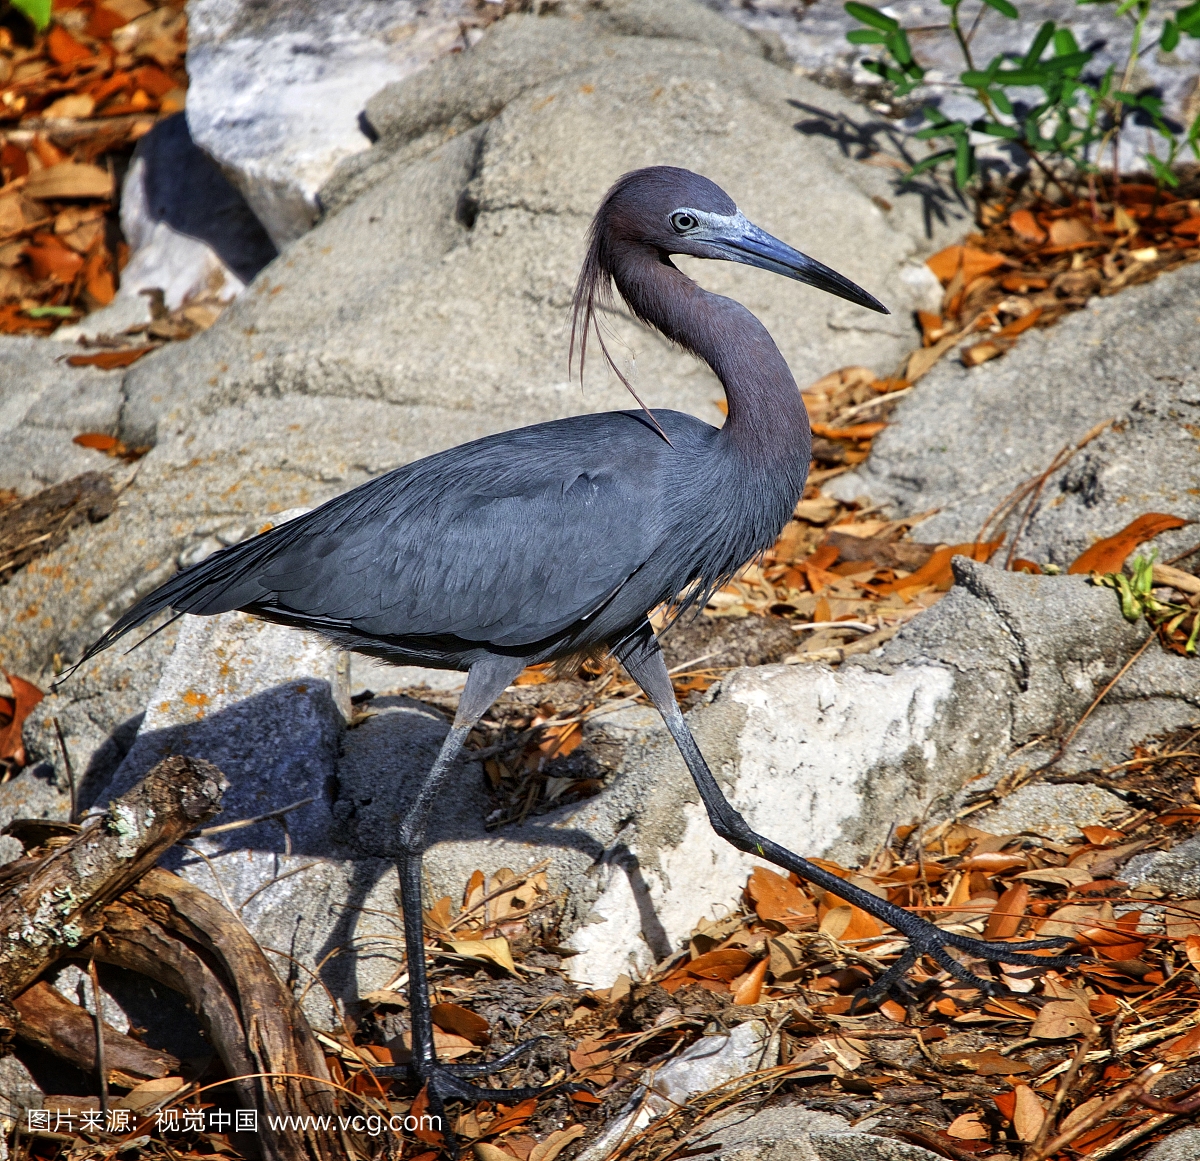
point(881, 143)
point(303, 880)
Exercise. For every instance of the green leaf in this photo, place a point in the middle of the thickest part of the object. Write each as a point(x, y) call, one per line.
point(1188, 19)
point(1170, 36)
point(994, 129)
point(49, 311)
point(1003, 7)
point(898, 43)
point(1162, 171)
point(866, 36)
point(872, 16)
point(1001, 101)
point(929, 162)
point(1039, 43)
point(964, 162)
point(1065, 42)
point(38, 11)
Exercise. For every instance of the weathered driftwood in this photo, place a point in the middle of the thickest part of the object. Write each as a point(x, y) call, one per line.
point(50, 911)
point(276, 1036)
point(132, 940)
point(50, 1021)
point(62, 899)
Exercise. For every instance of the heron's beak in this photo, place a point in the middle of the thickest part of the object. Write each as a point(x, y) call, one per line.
point(755, 247)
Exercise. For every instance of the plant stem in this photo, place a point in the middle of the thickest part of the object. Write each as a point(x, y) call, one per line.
point(956, 28)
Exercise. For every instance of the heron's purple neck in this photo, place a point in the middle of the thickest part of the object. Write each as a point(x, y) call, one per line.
point(767, 418)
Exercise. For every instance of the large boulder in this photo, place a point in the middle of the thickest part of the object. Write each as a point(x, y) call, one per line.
point(434, 305)
point(966, 437)
point(276, 88)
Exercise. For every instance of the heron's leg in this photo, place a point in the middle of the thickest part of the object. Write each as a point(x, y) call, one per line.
point(643, 659)
point(485, 682)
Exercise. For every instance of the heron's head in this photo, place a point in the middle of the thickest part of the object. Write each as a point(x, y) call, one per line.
point(676, 211)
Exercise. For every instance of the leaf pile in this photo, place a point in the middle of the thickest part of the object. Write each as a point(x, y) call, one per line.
point(74, 98)
point(1050, 1063)
point(1036, 260)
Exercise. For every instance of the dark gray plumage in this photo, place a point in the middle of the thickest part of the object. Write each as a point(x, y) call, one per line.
point(557, 539)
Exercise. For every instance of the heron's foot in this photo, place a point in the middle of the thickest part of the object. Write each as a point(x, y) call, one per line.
point(448, 1082)
point(925, 938)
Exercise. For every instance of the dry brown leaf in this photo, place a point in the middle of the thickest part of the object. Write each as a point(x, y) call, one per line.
point(983, 352)
point(750, 989)
point(69, 179)
point(64, 48)
point(1005, 919)
point(150, 1094)
point(968, 260)
point(1061, 1019)
point(1109, 554)
point(777, 899)
point(921, 361)
point(1182, 919)
point(1081, 1113)
point(847, 923)
point(16, 709)
point(1191, 947)
point(485, 1152)
point(556, 1143)
point(447, 1045)
point(110, 360)
point(989, 1063)
point(74, 106)
point(462, 1022)
point(937, 573)
point(1071, 232)
point(1029, 1114)
point(1025, 226)
point(1060, 876)
point(49, 258)
point(488, 950)
point(968, 1127)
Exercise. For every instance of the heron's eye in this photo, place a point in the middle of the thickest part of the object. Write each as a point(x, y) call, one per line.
point(682, 221)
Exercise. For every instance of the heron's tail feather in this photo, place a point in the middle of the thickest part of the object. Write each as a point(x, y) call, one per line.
point(224, 581)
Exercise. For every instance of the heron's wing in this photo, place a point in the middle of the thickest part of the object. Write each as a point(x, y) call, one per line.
point(509, 539)
point(508, 558)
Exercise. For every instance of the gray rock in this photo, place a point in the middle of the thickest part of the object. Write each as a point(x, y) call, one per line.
point(814, 37)
point(1176, 870)
point(710, 1062)
point(792, 1133)
point(1054, 812)
point(99, 711)
point(824, 761)
point(277, 88)
point(966, 438)
point(44, 404)
point(395, 296)
point(1182, 1145)
point(264, 705)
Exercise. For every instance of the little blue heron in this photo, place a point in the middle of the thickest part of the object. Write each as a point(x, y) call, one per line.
point(554, 541)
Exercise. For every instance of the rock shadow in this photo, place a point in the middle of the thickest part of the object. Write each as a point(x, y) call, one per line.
point(881, 142)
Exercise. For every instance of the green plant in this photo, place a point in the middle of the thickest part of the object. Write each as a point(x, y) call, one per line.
point(1076, 118)
point(1138, 600)
point(37, 11)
